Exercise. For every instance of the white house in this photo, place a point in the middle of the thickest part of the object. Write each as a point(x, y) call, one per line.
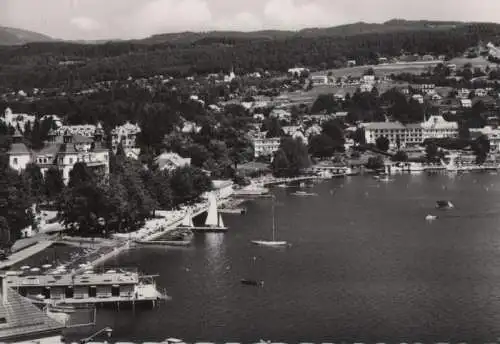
point(265, 146)
point(87, 130)
point(62, 152)
point(438, 127)
point(17, 119)
point(319, 80)
point(481, 92)
point(297, 71)
point(466, 103)
point(170, 161)
point(126, 135)
point(418, 97)
point(281, 114)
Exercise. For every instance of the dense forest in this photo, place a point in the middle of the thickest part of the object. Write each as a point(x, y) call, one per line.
point(39, 64)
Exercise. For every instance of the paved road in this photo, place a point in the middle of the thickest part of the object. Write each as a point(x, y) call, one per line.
point(25, 253)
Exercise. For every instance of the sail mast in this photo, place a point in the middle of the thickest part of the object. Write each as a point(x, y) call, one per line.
point(274, 222)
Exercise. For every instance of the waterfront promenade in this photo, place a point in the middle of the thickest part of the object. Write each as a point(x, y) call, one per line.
point(21, 255)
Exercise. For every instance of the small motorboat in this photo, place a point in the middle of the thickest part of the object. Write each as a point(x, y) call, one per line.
point(304, 194)
point(430, 217)
point(443, 204)
point(252, 282)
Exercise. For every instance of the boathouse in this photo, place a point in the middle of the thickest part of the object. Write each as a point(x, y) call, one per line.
point(89, 287)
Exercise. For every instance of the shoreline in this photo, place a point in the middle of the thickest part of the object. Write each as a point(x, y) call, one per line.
point(157, 233)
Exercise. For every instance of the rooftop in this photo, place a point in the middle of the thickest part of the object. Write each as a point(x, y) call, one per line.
point(108, 278)
point(19, 317)
point(19, 149)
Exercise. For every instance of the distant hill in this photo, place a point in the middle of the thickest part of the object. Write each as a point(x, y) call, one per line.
point(11, 36)
point(394, 25)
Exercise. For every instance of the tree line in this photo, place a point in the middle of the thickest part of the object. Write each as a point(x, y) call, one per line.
point(38, 64)
point(90, 205)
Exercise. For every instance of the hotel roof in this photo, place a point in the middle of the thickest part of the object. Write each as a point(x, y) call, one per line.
point(384, 125)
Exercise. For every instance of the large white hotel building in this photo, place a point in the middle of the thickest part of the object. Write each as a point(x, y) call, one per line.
point(410, 134)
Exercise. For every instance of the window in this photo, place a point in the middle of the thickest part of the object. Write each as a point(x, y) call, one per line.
point(3, 320)
point(14, 161)
point(70, 160)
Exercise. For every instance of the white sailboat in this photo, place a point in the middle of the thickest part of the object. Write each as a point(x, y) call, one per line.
point(214, 222)
point(273, 242)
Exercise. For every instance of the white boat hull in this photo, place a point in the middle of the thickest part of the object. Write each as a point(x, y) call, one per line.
point(269, 243)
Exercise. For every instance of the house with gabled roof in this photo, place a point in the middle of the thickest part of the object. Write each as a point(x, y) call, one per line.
point(62, 152)
point(20, 320)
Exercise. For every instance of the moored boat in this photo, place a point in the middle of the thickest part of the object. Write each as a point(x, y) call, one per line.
point(252, 282)
point(304, 194)
point(443, 204)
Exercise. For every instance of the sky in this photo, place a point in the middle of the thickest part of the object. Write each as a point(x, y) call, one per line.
point(125, 19)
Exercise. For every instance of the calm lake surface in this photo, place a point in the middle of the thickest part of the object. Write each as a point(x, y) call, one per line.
point(364, 266)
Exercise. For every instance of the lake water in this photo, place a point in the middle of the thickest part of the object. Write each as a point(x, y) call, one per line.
point(364, 266)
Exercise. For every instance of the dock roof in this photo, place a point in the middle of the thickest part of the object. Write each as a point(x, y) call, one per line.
point(88, 279)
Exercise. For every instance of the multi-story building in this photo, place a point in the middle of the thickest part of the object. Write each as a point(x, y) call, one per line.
point(437, 127)
point(265, 146)
point(493, 135)
point(424, 88)
point(87, 130)
point(410, 134)
point(17, 120)
point(62, 152)
point(396, 132)
point(126, 135)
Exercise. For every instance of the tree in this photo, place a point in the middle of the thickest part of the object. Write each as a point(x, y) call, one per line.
point(54, 183)
point(14, 202)
point(80, 174)
point(334, 130)
point(280, 164)
point(375, 163)
point(34, 183)
point(359, 136)
point(81, 206)
point(481, 148)
point(5, 236)
point(321, 146)
point(400, 156)
point(188, 183)
point(198, 154)
point(324, 102)
point(431, 151)
point(297, 158)
point(273, 127)
point(382, 143)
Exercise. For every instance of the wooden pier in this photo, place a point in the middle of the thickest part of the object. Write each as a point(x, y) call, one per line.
point(277, 181)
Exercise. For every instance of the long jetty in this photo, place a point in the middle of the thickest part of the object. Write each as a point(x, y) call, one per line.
point(277, 181)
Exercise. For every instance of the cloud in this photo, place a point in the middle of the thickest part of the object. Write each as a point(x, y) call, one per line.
point(243, 21)
point(160, 16)
point(98, 19)
point(287, 14)
point(86, 24)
